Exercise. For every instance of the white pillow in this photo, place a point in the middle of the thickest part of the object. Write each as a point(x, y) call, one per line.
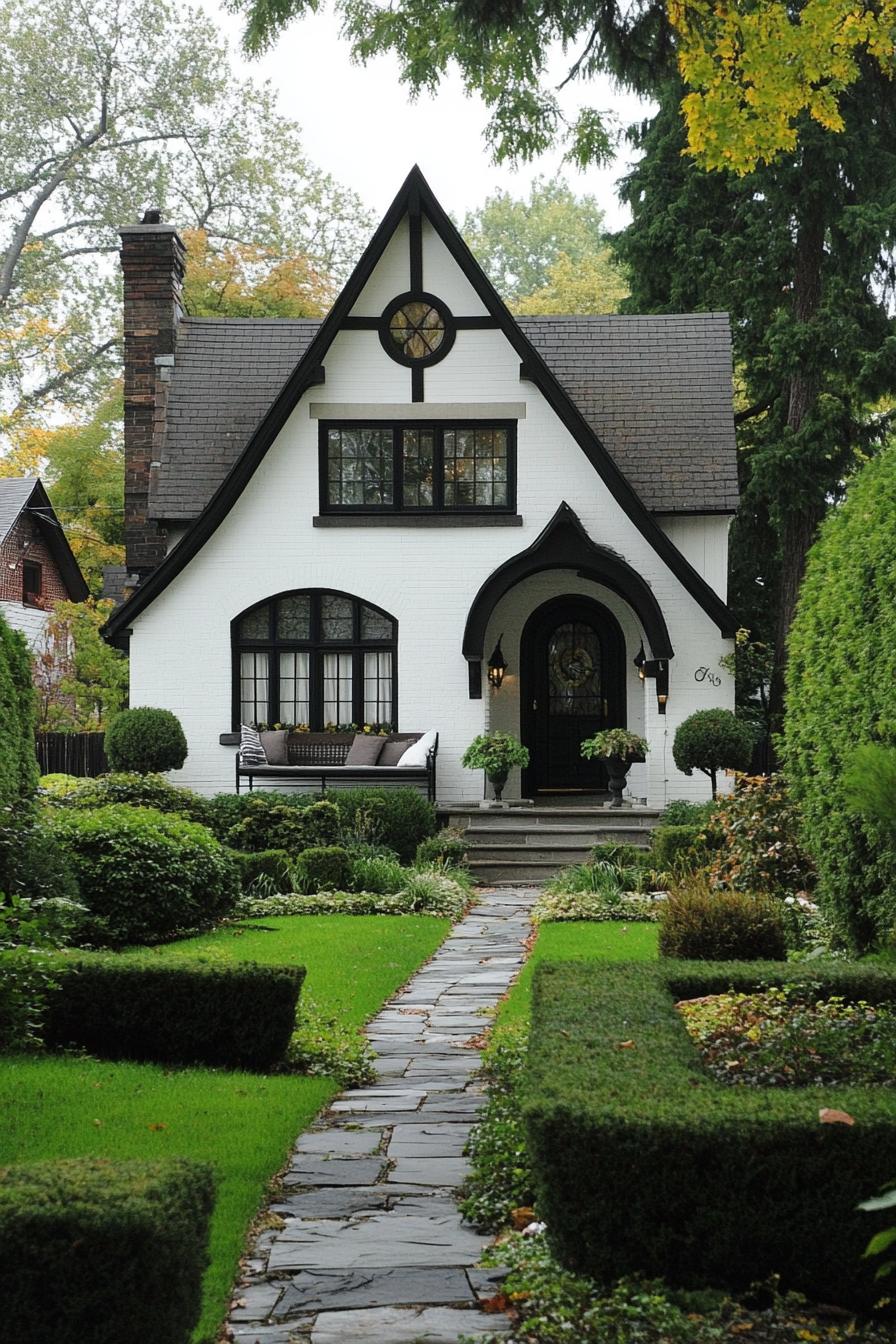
point(417, 752)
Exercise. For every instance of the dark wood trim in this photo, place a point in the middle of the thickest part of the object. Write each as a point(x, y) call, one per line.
point(564, 544)
point(418, 389)
point(474, 668)
point(476, 323)
point(300, 380)
point(415, 239)
point(454, 519)
point(398, 427)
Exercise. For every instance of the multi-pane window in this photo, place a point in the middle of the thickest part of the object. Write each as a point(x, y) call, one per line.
point(420, 468)
point(32, 582)
point(314, 658)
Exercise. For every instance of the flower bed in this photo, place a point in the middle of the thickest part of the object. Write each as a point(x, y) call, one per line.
point(790, 1036)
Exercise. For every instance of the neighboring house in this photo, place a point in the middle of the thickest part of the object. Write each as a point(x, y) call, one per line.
point(339, 521)
point(37, 567)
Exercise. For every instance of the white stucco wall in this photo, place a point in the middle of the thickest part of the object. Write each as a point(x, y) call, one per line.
point(425, 577)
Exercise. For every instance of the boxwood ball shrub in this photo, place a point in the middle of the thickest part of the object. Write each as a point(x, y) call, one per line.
point(712, 740)
point(674, 847)
point(323, 868)
point(103, 1251)
point(841, 671)
point(145, 740)
point(701, 924)
point(145, 876)
point(170, 1010)
point(645, 1165)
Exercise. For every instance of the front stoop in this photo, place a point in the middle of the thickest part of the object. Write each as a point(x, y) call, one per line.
point(532, 844)
point(371, 1247)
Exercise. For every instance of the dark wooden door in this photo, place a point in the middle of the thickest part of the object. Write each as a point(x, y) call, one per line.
point(573, 667)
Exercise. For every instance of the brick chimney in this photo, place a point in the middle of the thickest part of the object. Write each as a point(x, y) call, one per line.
point(152, 259)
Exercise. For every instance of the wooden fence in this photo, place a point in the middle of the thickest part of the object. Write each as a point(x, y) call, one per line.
point(71, 753)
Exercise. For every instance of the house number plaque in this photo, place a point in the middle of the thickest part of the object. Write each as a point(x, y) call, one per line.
point(704, 674)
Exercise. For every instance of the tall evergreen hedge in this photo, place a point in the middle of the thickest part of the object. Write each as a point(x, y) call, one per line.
point(841, 693)
point(18, 762)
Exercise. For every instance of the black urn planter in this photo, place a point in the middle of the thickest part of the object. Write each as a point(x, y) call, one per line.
point(618, 767)
point(497, 782)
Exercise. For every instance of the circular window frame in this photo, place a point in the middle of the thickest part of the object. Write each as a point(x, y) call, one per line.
point(385, 334)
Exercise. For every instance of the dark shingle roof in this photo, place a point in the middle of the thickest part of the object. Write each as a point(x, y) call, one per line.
point(656, 390)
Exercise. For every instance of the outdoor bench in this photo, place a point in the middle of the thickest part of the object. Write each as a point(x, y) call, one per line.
point(320, 758)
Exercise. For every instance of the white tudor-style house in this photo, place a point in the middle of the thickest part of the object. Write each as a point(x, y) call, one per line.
point(338, 521)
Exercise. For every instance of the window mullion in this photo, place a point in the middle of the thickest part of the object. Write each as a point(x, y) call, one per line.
point(438, 464)
point(398, 467)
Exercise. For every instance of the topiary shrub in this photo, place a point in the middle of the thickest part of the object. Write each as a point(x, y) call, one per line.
point(145, 876)
point(171, 1010)
point(841, 671)
point(104, 1251)
point(700, 924)
point(712, 740)
point(140, 791)
point(145, 740)
point(323, 868)
point(447, 849)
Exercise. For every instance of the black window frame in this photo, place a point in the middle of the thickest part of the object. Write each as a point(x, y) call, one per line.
point(316, 646)
point(31, 595)
point(438, 429)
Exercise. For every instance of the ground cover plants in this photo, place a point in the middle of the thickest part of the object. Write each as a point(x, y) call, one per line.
point(793, 1036)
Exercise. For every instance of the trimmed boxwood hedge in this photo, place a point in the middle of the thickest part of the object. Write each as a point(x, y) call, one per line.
point(646, 1165)
point(140, 1006)
point(103, 1251)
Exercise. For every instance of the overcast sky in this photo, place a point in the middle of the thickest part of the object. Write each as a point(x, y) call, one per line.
point(360, 125)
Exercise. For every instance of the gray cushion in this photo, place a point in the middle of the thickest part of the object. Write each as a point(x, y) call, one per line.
point(274, 744)
point(365, 750)
point(392, 752)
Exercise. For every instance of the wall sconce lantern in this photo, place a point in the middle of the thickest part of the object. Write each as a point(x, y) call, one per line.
point(658, 668)
point(497, 666)
point(639, 660)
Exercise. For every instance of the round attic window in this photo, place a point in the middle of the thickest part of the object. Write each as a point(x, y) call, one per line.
point(417, 329)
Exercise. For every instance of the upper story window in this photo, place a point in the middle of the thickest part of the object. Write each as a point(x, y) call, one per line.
point(467, 467)
point(32, 583)
point(315, 658)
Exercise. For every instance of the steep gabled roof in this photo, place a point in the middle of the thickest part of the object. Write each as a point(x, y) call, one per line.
point(415, 199)
point(656, 390)
point(26, 494)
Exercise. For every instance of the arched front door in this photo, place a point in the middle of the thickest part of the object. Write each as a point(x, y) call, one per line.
point(572, 661)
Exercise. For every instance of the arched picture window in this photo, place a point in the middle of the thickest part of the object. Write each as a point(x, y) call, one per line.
point(314, 658)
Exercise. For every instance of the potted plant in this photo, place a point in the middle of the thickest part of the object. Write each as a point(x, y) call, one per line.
point(620, 749)
point(496, 754)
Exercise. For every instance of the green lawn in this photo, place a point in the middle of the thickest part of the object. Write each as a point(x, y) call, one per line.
point(579, 942)
point(243, 1123)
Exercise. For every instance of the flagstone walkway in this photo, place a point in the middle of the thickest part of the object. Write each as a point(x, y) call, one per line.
point(370, 1247)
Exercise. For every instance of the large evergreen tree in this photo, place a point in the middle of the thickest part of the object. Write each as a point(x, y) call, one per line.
point(799, 252)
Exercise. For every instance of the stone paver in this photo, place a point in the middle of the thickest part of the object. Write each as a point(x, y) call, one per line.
point(370, 1245)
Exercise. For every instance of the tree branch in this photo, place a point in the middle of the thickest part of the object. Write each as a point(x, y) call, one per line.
point(73, 371)
point(586, 52)
point(752, 411)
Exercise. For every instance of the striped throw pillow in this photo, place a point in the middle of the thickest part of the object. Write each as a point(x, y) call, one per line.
point(251, 750)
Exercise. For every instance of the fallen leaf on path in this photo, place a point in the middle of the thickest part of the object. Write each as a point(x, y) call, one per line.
point(827, 1116)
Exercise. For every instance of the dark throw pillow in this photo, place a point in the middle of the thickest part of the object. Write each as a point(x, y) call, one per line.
point(365, 750)
point(274, 746)
point(392, 752)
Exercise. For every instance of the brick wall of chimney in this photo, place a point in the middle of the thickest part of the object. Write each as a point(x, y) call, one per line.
point(152, 259)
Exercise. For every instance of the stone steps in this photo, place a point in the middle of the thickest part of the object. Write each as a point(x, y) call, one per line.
point(531, 844)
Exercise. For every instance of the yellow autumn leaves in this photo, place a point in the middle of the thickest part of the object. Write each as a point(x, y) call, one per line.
point(753, 67)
